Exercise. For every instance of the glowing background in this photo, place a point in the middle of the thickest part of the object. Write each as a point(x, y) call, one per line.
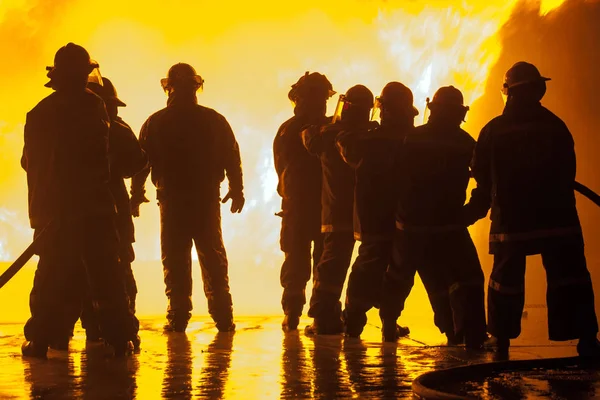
point(249, 54)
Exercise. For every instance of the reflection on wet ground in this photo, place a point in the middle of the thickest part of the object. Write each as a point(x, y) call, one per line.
point(259, 361)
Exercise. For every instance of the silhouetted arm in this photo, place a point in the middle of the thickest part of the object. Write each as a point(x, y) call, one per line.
point(128, 157)
point(138, 181)
point(350, 145)
point(481, 168)
point(231, 157)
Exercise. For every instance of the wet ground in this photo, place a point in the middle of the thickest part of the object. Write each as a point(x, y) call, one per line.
point(565, 383)
point(259, 361)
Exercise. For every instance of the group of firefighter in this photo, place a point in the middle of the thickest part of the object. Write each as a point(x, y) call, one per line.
point(401, 190)
point(398, 189)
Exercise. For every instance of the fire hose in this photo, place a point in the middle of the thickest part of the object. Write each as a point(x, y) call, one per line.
point(23, 258)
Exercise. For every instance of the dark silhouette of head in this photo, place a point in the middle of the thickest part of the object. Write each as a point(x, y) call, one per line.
point(108, 93)
point(310, 94)
point(182, 78)
point(523, 83)
point(72, 66)
point(396, 105)
point(358, 102)
point(447, 106)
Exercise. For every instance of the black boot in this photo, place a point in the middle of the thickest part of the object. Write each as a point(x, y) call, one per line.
point(454, 339)
point(175, 326)
point(355, 322)
point(137, 343)
point(34, 349)
point(588, 347)
point(290, 323)
point(225, 324)
point(61, 344)
point(502, 347)
point(177, 322)
point(122, 348)
point(333, 326)
point(93, 335)
point(389, 331)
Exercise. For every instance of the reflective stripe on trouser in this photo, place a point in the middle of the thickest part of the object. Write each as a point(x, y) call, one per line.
point(331, 274)
point(79, 256)
point(366, 278)
point(202, 226)
point(569, 296)
point(296, 271)
point(427, 254)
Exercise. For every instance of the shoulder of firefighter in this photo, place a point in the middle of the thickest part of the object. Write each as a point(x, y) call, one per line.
point(126, 154)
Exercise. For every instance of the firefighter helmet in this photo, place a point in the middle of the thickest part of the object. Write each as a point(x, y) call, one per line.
point(520, 74)
point(106, 91)
point(311, 85)
point(359, 96)
point(182, 74)
point(397, 96)
point(70, 59)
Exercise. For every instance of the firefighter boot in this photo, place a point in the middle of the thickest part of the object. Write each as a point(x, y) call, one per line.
point(588, 347)
point(290, 323)
point(389, 331)
point(34, 349)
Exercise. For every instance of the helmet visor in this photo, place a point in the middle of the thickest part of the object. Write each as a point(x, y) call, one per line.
point(337, 115)
point(376, 111)
point(166, 85)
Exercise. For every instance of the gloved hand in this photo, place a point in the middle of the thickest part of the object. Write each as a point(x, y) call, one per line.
point(237, 201)
point(135, 202)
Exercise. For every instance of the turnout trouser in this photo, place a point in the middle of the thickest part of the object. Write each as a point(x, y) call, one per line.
point(331, 275)
point(299, 263)
point(366, 278)
point(569, 296)
point(80, 257)
point(449, 268)
point(126, 257)
point(200, 224)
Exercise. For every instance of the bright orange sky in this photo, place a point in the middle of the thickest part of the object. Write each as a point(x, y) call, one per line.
point(249, 53)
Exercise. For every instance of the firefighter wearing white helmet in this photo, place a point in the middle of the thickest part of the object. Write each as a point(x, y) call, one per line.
point(337, 207)
point(299, 185)
point(191, 149)
point(524, 165)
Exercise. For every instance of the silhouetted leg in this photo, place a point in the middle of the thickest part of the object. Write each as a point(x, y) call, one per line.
point(366, 282)
point(296, 269)
point(467, 296)
point(100, 253)
point(214, 266)
point(89, 320)
point(435, 280)
point(400, 276)
point(506, 293)
point(331, 275)
point(570, 295)
point(55, 298)
point(317, 253)
point(127, 256)
point(176, 248)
